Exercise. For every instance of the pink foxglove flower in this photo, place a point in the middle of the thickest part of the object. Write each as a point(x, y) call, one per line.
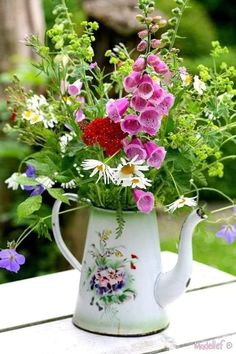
point(158, 95)
point(155, 43)
point(79, 115)
point(143, 200)
point(116, 108)
point(138, 103)
point(153, 59)
point(156, 154)
point(142, 34)
point(142, 46)
point(135, 148)
point(139, 64)
point(166, 104)
point(131, 125)
point(145, 88)
point(75, 88)
point(161, 68)
point(150, 120)
point(131, 81)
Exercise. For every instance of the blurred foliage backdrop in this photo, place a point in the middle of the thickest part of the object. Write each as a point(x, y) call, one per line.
point(205, 21)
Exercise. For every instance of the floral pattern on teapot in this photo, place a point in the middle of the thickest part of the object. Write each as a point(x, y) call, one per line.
point(109, 278)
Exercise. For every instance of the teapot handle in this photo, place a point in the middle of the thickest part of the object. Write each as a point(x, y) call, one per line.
point(57, 232)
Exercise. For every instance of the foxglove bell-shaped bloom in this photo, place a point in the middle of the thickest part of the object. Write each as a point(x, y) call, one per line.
point(138, 103)
point(156, 154)
point(139, 64)
point(142, 46)
point(228, 232)
point(145, 88)
point(143, 200)
point(131, 125)
point(153, 59)
point(166, 104)
point(116, 108)
point(75, 88)
point(11, 260)
point(79, 115)
point(135, 148)
point(161, 68)
point(131, 81)
point(150, 121)
point(158, 95)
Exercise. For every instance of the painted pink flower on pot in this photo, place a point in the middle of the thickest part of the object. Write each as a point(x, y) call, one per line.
point(110, 275)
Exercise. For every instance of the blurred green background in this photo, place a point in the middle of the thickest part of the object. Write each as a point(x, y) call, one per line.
point(205, 21)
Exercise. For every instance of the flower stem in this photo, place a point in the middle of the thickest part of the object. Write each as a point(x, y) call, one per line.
point(177, 25)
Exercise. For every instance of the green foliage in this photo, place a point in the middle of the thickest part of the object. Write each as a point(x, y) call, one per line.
point(29, 206)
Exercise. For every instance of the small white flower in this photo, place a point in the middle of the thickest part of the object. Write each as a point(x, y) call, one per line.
point(69, 185)
point(99, 167)
point(12, 182)
point(199, 85)
point(129, 169)
point(136, 182)
point(185, 77)
point(179, 203)
point(45, 181)
point(64, 140)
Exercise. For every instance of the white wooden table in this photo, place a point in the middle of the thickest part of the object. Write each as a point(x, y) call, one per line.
point(35, 317)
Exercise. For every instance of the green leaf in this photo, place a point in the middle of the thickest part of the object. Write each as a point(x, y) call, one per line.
point(26, 181)
point(58, 193)
point(29, 206)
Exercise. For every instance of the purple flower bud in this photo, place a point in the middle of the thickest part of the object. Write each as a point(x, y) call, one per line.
point(142, 34)
point(155, 43)
point(145, 88)
point(161, 68)
point(142, 46)
point(131, 81)
point(156, 154)
point(75, 88)
point(143, 200)
point(228, 232)
point(93, 65)
point(131, 125)
point(138, 103)
point(79, 115)
point(11, 260)
point(150, 120)
point(153, 59)
point(38, 190)
point(135, 148)
point(116, 108)
point(139, 64)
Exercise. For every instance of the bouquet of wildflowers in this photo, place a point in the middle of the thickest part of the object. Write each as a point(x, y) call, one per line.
point(147, 133)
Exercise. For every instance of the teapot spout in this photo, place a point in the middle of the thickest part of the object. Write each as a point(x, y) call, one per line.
point(173, 283)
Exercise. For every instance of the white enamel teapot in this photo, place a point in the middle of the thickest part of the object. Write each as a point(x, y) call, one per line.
point(122, 290)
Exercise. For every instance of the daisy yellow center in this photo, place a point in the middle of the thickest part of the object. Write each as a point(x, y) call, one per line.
point(28, 114)
point(128, 169)
point(188, 79)
point(101, 168)
point(135, 180)
point(35, 118)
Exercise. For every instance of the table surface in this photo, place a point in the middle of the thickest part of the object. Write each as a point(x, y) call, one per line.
point(35, 317)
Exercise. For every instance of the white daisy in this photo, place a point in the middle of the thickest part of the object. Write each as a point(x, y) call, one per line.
point(69, 185)
point(129, 169)
point(32, 116)
point(179, 203)
point(45, 181)
point(199, 85)
point(99, 167)
point(136, 182)
point(12, 181)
